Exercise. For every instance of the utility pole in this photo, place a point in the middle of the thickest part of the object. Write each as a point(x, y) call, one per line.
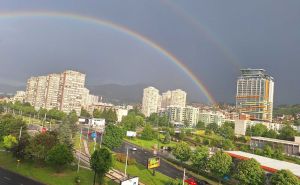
point(20, 134)
point(126, 162)
point(79, 151)
point(95, 141)
point(183, 176)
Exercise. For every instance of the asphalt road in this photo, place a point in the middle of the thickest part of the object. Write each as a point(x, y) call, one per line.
point(141, 156)
point(10, 178)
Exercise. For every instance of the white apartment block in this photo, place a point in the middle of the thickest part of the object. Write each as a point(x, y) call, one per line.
point(166, 99)
point(176, 98)
point(19, 96)
point(182, 114)
point(212, 117)
point(63, 91)
point(71, 91)
point(151, 100)
point(36, 91)
point(52, 91)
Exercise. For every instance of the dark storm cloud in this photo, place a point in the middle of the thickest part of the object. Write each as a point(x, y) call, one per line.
point(210, 37)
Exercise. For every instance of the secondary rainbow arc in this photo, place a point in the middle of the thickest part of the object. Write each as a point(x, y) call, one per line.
point(119, 28)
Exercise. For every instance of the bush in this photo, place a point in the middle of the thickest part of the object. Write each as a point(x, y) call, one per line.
point(122, 158)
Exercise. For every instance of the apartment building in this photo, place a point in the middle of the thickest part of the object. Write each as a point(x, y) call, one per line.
point(36, 91)
point(19, 96)
point(212, 117)
point(183, 114)
point(176, 98)
point(52, 91)
point(151, 101)
point(254, 96)
point(64, 91)
point(71, 89)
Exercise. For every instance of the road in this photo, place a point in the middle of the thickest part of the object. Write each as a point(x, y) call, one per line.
point(141, 156)
point(10, 178)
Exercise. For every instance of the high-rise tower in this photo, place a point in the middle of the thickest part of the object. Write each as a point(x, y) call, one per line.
point(254, 96)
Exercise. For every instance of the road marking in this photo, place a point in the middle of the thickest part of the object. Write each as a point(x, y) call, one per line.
point(6, 178)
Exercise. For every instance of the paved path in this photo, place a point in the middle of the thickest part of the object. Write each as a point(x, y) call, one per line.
point(10, 178)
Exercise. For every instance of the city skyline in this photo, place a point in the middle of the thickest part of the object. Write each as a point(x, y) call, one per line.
point(203, 43)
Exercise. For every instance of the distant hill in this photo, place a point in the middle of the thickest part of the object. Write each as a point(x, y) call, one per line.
point(119, 93)
point(9, 89)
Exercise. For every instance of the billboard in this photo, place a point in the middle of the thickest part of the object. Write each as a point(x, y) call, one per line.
point(130, 134)
point(132, 181)
point(153, 162)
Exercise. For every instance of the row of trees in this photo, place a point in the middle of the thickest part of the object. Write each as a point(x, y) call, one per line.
point(246, 172)
point(54, 147)
point(26, 109)
point(285, 133)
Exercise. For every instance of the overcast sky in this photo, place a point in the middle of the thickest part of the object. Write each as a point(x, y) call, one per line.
point(212, 38)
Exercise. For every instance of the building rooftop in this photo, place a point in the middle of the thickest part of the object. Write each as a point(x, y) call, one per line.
point(275, 140)
point(268, 164)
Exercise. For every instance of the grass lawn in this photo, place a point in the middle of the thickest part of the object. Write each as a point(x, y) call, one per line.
point(149, 144)
point(47, 175)
point(144, 174)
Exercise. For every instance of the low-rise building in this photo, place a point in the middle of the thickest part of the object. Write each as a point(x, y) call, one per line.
point(289, 147)
point(268, 164)
point(212, 117)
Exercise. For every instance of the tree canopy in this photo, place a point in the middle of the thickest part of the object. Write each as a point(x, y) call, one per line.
point(249, 172)
point(59, 156)
point(219, 164)
point(101, 161)
point(182, 152)
point(284, 177)
point(113, 136)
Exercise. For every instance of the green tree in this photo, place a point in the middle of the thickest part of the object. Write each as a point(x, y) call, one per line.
point(200, 125)
point(182, 152)
point(167, 138)
point(284, 177)
point(130, 122)
point(249, 172)
point(153, 119)
point(268, 151)
point(71, 120)
point(256, 130)
point(84, 113)
point(111, 116)
point(40, 145)
point(227, 144)
point(9, 142)
point(10, 125)
point(97, 113)
point(65, 134)
point(101, 161)
point(56, 114)
point(18, 150)
point(287, 133)
point(270, 134)
point(148, 133)
point(113, 136)
point(59, 156)
point(199, 158)
point(186, 123)
point(164, 121)
point(182, 134)
point(226, 131)
point(219, 164)
point(212, 127)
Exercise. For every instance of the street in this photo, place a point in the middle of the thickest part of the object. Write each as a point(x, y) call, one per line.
point(141, 156)
point(10, 178)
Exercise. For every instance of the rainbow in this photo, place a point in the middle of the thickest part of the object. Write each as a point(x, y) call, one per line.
point(121, 29)
point(179, 11)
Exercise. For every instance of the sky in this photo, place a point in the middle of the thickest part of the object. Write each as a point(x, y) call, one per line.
point(214, 39)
